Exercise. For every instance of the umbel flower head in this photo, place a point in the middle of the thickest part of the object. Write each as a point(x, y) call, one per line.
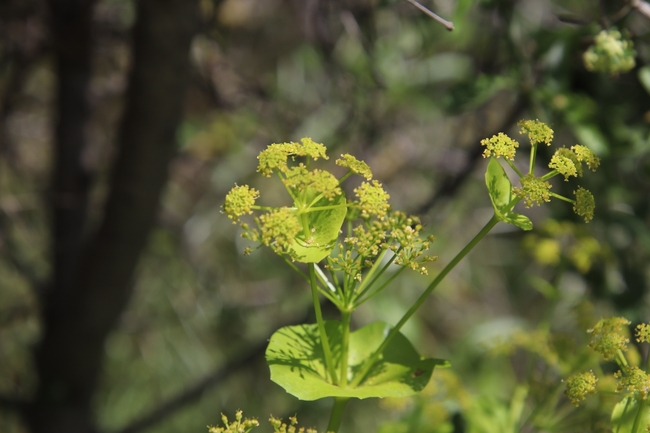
point(308, 229)
point(633, 379)
point(607, 336)
point(239, 425)
point(240, 201)
point(610, 53)
point(538, 132)
point(500, 145)
point(579, 386)
point(535, 189)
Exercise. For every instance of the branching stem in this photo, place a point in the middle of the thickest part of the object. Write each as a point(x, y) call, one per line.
point(393, 332)
point(329, 364)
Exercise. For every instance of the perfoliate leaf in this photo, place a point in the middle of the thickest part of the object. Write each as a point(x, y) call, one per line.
point(324, 226)
point(625, 412)
point(499, 186)
point(296, 360)
point(500, 191)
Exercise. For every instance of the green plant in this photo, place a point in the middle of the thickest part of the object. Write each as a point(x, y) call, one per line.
point(327, 359)
point(610, 339)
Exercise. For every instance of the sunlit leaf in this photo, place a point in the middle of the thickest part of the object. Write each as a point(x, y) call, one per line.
point(324, 226)
point(295, 357)
point(499, 187)
point(625, 412)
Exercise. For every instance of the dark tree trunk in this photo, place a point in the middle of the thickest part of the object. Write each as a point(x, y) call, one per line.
point(92, 282)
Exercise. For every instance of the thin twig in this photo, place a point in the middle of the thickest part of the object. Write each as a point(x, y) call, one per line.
point(642, 7)
point(448, 24)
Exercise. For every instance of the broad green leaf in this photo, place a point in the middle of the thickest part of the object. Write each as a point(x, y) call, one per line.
point(324, 225)
point(624, 414)
point(295, 357)
point(519, 220)
point(499, 186)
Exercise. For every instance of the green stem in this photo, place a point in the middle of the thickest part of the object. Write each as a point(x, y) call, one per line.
point(345, 343)
point(337, 414)
point(383, 286)
point(370, 277)
point(533, 155)
point(561, 197)
point(329, 365)
point(512, 165)
point(371, 360)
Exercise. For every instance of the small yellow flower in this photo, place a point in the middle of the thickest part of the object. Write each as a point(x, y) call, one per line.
point(500, 145)
point(566, 163)
point(633, 379)
point(610, 53)
point(538, 132)
point(643, 333)
point(585, 204)
point(606, 337)
point(533, 190)
point(584, 154)
point(279, 228)
point(581, 385)
point(239, 201)
point(354, 165)
point(373, 200)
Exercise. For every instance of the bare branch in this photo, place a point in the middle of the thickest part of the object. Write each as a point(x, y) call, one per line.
point(448, 24)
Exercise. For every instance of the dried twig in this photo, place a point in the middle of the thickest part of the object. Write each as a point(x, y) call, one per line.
point(448, 24)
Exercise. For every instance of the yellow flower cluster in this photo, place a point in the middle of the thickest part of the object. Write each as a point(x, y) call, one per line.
point(579, 386)
point(607, 338)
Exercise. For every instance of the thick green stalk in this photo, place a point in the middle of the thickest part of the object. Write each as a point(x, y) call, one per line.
point(329, 364)
point(337, 414)
point(371, 360)
point(345, 343)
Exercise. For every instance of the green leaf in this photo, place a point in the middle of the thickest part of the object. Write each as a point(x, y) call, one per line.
point(624, 414)
point(324, 225)
point(295, 357)
point(500, 191)
point(519, 220)
point(499, 187)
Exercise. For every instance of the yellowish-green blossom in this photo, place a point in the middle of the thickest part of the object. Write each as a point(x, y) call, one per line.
point(397, 232)
point(585, 204)
point(633, 379)
point(609, 336)
point(279, 229)
point(579, 386)
point(610, 53)
point(373, 200)
point(240, 425)
point(533, 190)
point(299, 178)
point(355, 165)
point(642, 332)
point(538, 132)
point(500, 145)
point(281, 427)
point(586, 155)
point(275, 156)
point(566, 163)
point(239, 201)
